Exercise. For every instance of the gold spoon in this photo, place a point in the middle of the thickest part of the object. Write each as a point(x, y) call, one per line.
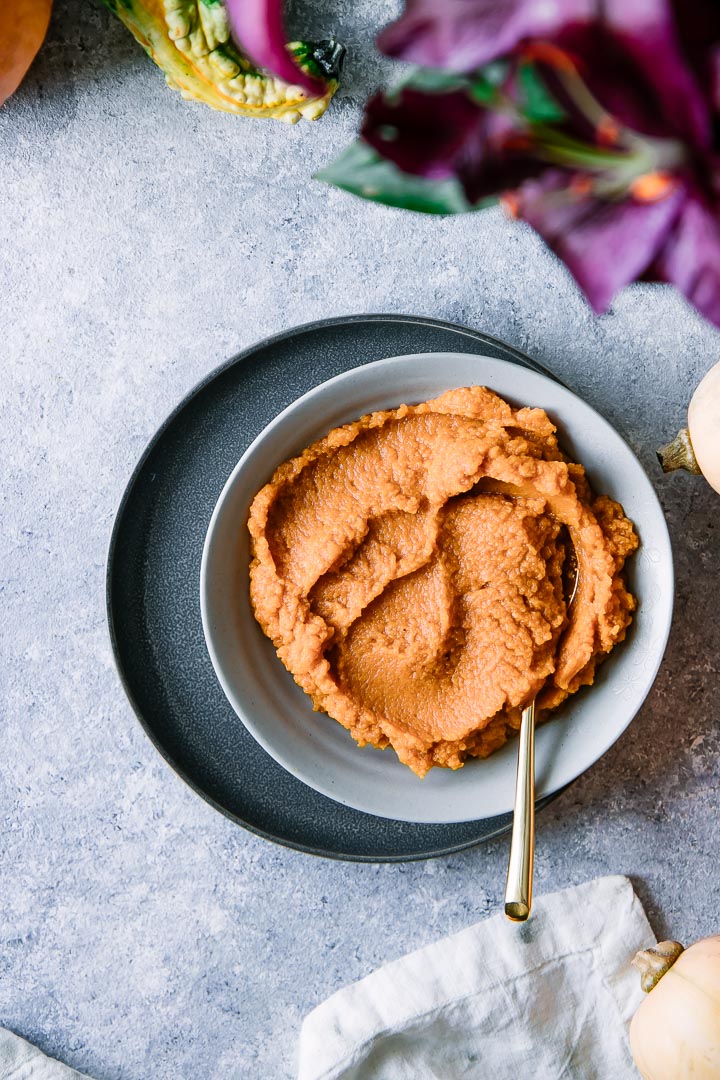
point(518, 888)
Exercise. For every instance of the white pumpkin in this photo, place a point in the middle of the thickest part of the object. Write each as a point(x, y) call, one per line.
point(697, 447)
point(675, 1034)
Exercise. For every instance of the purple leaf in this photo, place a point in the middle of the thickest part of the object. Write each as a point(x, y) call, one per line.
point(497, 158)
point(629, 51)
point(636, 84)
point(605, 245)
point(698, 26)
point(462, 35)
point(631, 58)
point(690, 258)
point(421, 133)
point(257, 26)
point(443, 135)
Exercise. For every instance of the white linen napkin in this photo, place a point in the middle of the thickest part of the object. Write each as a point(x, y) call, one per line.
point(550, 999)
point(20, 1060)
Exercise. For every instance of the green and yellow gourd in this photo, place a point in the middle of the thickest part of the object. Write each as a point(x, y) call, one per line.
point(190, 40)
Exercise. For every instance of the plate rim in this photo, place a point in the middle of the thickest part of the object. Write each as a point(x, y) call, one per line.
point(476, 336)
point(227, 684)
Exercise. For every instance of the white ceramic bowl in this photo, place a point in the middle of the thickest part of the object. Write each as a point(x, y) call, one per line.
point(314, 747)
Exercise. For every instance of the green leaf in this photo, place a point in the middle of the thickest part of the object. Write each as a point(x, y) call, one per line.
point(323, 59)
point(485, 84)
point(361, 171)
point(481, 86)
point(431, 81)
point(538, 105)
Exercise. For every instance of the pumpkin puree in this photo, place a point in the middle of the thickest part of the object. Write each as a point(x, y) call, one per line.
point(411, 569)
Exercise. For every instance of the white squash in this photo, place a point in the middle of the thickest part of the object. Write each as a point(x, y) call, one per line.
point(697, 447)
point(675, 1034)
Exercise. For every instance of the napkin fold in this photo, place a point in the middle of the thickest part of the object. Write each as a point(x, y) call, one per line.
point(20, 1060)
point(550, 999)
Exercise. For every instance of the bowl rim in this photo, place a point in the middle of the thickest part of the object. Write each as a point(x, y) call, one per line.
point(361, 374)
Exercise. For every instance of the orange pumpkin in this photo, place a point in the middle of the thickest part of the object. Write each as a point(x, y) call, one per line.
point(23, 25)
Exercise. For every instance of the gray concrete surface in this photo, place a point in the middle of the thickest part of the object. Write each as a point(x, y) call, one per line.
point(142, 241)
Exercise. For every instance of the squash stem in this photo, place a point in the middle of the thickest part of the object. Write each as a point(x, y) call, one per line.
point(679, 454)
point(655, 962)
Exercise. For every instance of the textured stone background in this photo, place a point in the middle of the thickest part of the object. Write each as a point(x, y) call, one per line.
point(142, 241)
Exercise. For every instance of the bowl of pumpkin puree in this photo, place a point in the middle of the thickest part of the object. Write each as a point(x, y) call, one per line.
point(410, 554)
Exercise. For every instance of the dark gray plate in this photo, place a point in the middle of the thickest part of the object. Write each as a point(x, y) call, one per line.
point(153, 587)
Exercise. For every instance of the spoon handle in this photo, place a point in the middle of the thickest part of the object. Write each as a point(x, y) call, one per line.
point(518, 890)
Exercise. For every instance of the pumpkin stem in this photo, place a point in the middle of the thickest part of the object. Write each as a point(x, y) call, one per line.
point(679, 454)
point(655, 962)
